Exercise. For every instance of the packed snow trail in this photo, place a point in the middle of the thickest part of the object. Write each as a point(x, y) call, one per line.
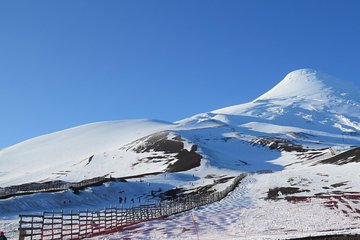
point(239, 216)
point(218, 215)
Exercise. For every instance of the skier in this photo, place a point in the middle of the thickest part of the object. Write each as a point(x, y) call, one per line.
point(2, 236)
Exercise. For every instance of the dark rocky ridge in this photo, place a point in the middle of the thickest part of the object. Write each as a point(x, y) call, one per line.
point(352, 155)
point(162, 142)
point(279, 144)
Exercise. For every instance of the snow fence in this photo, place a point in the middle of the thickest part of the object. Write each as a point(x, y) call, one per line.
point(84, 224)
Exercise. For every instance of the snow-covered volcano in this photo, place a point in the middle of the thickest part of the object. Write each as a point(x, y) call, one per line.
point(295, 128)
point(306, 106)
point(303, 98)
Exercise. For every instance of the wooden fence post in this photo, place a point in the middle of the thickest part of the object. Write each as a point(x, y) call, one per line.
point(21, 231)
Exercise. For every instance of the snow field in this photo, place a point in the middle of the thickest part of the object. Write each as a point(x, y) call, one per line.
point(308, 108)
point(241, 216)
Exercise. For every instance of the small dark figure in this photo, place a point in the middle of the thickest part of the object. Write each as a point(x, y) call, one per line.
point(120, 200)
point(2, 236)
point(125, 200)
point(94, 224)
point(132, 200)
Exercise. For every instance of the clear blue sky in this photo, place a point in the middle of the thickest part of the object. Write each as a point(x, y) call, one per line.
point(66, 63)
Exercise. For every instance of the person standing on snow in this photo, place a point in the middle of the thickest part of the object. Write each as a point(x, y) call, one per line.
point(2, 236)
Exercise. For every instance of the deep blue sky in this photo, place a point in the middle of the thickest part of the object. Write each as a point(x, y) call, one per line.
point(66, 63)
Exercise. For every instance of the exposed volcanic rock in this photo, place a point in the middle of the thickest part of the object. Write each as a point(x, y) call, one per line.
point(352, 155)
point(332, 237)
point(168, 147)
point(279, 144)
point(274, 193)
point(160, 142)
point(187, 160)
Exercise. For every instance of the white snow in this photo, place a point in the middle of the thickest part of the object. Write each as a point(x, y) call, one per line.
point(307, 107)
point(243, 215)
point(305, 96)
point(39, 159)
point(302, 84)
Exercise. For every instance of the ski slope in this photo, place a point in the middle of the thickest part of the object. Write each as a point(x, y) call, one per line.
point(47, 157)
point(296, 131)
point(240, 216)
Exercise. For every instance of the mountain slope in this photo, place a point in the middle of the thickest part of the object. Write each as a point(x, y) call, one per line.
point(41, 158)
point(307, 107)
point(292, 129)
point(306, 96)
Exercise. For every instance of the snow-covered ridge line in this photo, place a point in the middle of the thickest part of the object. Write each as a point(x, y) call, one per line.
point(304, 132)
point(40, 158)
point(305, 83)
point(304, 102)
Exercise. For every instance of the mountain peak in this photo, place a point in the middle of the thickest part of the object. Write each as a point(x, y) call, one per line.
point(303, 83)
point(304, 90)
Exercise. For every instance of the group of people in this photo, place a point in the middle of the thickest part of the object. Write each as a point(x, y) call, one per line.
point(121, 201)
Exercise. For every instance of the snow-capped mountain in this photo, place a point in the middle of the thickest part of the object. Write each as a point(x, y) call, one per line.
point(294, 129)
point(304, 98)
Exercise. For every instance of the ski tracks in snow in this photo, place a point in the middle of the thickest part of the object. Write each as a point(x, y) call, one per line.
point(206, 222)
point(242, 216)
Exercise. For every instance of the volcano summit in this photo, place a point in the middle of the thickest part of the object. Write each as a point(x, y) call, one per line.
point(296, 142)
